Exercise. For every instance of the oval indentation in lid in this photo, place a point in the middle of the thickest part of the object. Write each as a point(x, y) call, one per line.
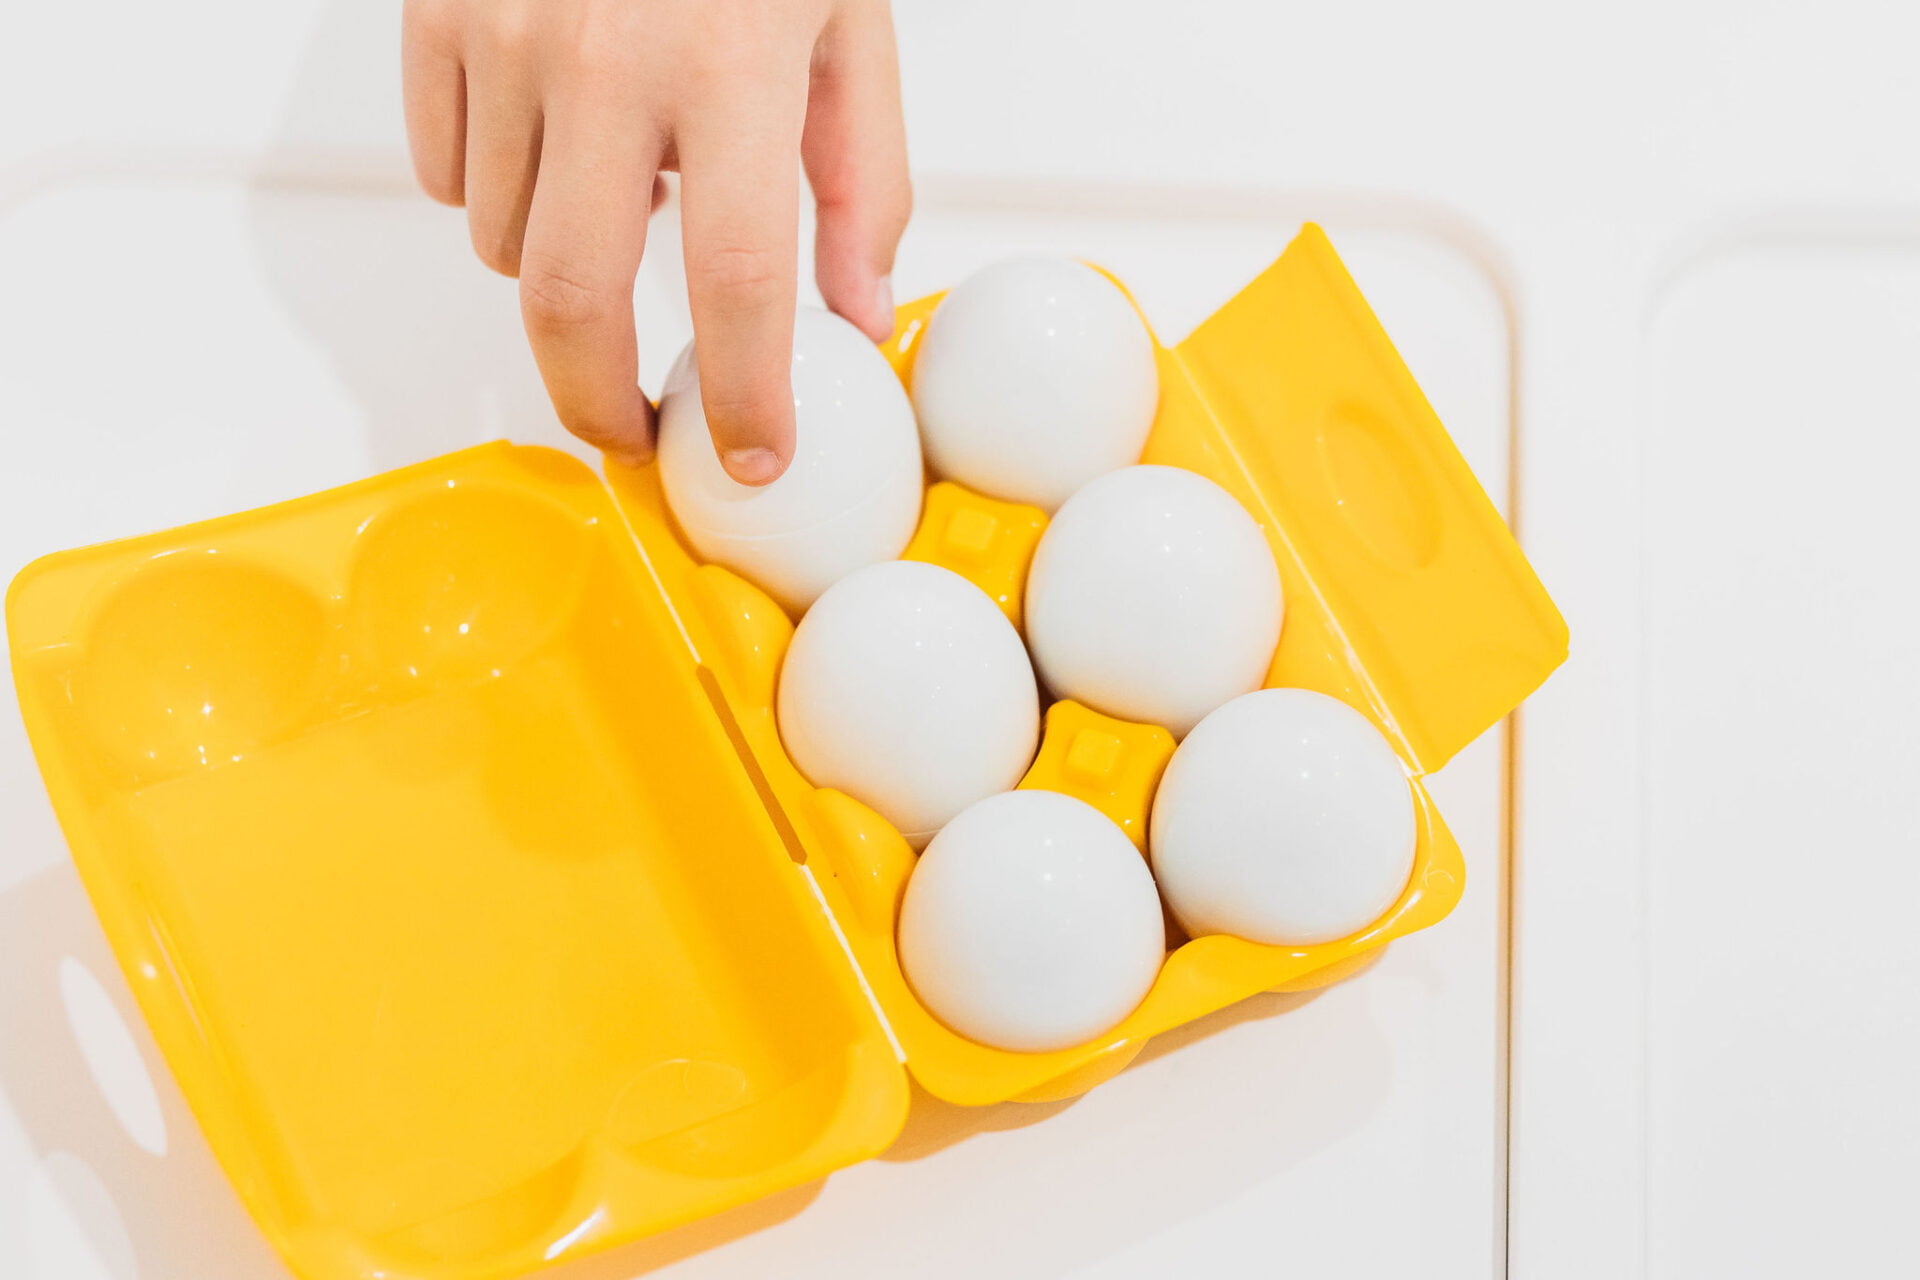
point(464, 582)
point(1376, 485)
point(198, 659)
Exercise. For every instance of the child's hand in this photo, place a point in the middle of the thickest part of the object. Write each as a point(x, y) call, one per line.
point(550, 121)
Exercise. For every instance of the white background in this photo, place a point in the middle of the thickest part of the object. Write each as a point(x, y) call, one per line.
point(1660, 263)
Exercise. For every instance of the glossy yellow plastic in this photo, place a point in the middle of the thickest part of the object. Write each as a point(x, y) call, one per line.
point(447, 896)
point(443, 829)
point(1406, 597)
point(1113, 765)
point(986, 541)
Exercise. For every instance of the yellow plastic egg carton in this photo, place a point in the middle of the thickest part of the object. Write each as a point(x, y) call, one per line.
point(441, 826)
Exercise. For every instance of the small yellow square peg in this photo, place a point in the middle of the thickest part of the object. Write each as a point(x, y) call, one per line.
point(984, 540)
point(1113, 765)
point(1093, 754)
point(970, 531)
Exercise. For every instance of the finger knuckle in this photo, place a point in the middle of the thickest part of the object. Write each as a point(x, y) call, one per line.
point(709, 73)
point(556, 297)
point(880, 196)
point(593, 60)
point(744, 408)
point(508, 30)
point(734, 47)
point(604, 45)
point(729, 272)
point(734, 406)
point(434, 20)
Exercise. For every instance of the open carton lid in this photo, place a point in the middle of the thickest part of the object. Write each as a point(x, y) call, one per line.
point(437, 875)
point(450, 850)
point(1407, 596)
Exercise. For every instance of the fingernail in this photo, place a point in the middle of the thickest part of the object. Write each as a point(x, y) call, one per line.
point(883, 303)
point(752, 466)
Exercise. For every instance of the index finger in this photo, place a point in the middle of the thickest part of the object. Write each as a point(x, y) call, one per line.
point(739, 216)
point(586, 230)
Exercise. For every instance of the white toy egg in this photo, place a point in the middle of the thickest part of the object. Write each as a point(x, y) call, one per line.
point(1284, 818)
point(1034, 376)
point(852, 494)
point(1153, 596)
point(908, 689)
point(1031, 923)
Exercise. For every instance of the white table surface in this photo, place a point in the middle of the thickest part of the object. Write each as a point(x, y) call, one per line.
point(1672, 246)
